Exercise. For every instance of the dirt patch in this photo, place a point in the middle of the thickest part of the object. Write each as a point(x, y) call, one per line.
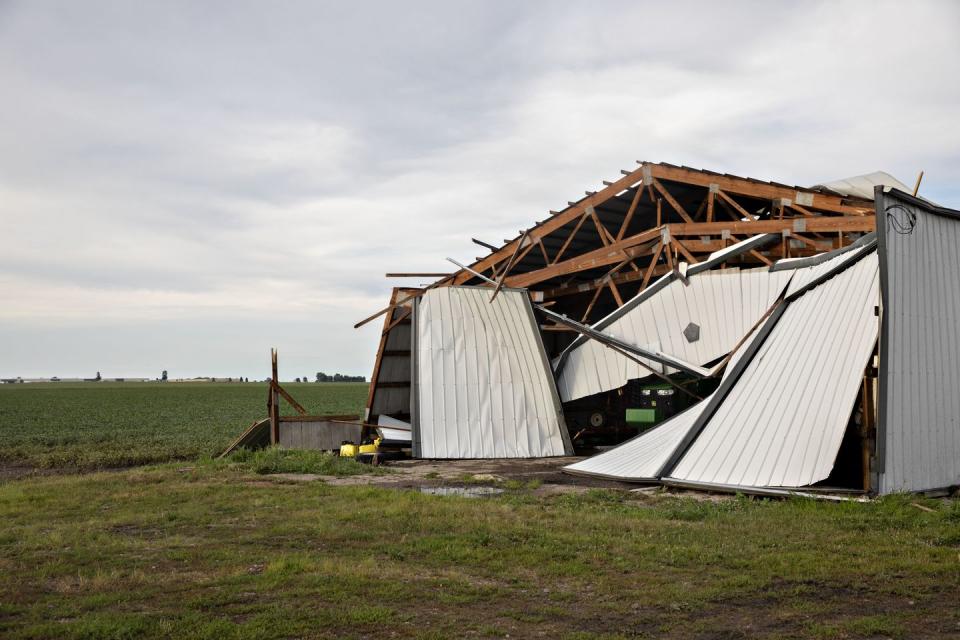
point(543, 473)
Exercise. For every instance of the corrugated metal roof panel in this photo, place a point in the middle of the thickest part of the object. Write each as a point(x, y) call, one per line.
point(805, 276)
point(723, 304)
point(483, 387)
point(862, 186)
point(641, 458)
point(919, 429)
point(782, 421)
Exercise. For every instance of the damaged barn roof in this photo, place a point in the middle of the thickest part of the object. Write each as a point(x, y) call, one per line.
point(687, 275)
point(777, 418)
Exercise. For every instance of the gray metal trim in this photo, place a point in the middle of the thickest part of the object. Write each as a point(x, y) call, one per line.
point(415, 443)
point(558, 405)
point(751, 244)
point(773, 492)
point(820, 258)
point(842, 266)
point(926, 205)
point(880, 204)
point(585, 474)
point(640, 298)
point(589, 332)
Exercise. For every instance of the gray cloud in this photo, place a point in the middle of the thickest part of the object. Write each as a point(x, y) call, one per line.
point(201, 181)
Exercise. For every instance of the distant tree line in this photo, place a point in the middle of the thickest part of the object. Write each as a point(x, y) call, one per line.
point(338, 377)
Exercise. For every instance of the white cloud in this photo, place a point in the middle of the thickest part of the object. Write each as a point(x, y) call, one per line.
point(265, 166)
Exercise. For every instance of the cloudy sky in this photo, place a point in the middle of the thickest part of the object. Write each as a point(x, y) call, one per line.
point(185, 184)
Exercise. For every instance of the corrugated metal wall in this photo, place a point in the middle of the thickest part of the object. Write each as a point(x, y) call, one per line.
point(919, 429)
point(390, 395)
point(781, 423)
point(785, 400)
point(724, 304)
point(641, 458)
point(482, 385)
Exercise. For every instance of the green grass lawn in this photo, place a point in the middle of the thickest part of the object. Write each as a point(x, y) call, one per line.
point(217, 551)
point(97, 425)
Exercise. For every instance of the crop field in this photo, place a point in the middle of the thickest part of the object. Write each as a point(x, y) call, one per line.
point(102, 425)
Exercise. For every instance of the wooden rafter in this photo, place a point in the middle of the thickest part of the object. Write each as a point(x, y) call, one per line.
point(733, 203)
point(569, 238)
point(760, 190)
point(593, 301)
point(682, 249)
point(543, 250)
point(673, 201)
point(633, 207)
point(605, 236)
point(510, 263)
point(553, 223)
point(613, 253)
point(652, 266)
point(615, 292)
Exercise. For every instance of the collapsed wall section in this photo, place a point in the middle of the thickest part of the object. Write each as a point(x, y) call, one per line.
point(482, 387)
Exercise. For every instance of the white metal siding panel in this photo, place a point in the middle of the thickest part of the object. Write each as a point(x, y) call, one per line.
point(484, 388)
point(782, 422)
point(724, 303)
point(921, 384)
point(806, 275)
point(641, 458)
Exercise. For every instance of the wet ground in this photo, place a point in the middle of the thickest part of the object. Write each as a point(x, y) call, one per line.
point(474, 478)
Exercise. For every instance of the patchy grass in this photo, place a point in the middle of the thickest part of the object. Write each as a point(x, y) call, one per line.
point(102, 425)
point(222, 552)
point(276, 460)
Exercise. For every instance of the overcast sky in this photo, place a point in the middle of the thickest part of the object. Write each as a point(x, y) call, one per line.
point(185, 184)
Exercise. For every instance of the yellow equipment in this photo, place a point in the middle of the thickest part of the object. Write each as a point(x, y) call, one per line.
point(354, 450)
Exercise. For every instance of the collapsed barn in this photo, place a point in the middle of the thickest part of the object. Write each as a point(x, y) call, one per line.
point(718, 332)
point(731, 330)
